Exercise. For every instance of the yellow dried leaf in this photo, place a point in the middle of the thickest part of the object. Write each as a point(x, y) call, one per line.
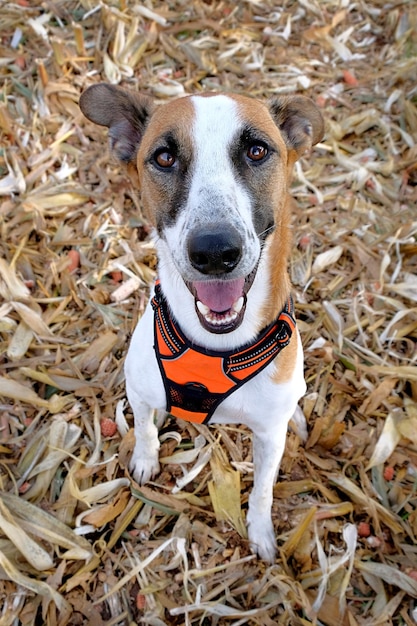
point(62, 438)
point(362, 499)
point(45, 526)
point(11, 287)
point(12, 389)
point(20, 342)
point(390, 575)
point(224, 492)
point(38, 587)
point(387, 441)
point(296, 535)
point(65, 383)
point(334, 510)
point(90, 360)
point(288, 489)
point(41, 377)
point(407, 428)
point(377, 396)
point(33, 320)
point(97, 493)
point(101, 515)
point(32, 551)
point(57, 201)
point(329, 257)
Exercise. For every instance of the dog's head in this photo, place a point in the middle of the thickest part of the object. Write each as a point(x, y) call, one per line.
point(214, 172)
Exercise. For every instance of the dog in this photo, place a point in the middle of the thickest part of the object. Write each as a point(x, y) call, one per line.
point(218, 342)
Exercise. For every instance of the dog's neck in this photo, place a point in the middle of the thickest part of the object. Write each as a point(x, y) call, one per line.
point(278, 253)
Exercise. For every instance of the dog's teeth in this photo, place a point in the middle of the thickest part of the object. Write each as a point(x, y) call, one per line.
point(219, 319)
point(238, 304)
point(204, 310)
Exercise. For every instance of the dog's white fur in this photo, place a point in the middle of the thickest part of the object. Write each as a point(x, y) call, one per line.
point(267, 402)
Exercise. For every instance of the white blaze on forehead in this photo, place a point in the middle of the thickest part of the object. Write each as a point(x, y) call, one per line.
point(215, 125)
point(216, 190)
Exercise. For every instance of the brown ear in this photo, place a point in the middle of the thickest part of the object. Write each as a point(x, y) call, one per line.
point(125, 113)
point(299, 121)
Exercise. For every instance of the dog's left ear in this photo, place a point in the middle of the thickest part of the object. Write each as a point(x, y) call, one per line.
point(299, 120)
point(125, 113)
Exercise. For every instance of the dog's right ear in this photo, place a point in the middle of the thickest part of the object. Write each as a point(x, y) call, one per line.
point(299, 120)
point(125, 113)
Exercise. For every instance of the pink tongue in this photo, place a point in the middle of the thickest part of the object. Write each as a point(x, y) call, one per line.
point(219, 295)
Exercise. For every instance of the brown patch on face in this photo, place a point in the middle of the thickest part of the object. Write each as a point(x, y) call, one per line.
point(286, 361)
point(170, 127)
point(257, 114)
point(276, 193)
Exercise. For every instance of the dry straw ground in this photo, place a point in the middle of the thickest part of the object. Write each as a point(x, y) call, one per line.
point(79, 542)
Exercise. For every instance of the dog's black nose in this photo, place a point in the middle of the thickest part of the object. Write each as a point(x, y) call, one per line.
point(215, 252)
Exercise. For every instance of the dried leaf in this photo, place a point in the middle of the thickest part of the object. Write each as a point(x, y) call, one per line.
point(61, 190)
point(387, 441)
point(11, 286)
point(295, 537)
point(189, 475)
point(12, 389)
point(391, 575)
point(38, 587)
point(96, 352)
point(327, 258)
point(33, 320)
point(97, 493)
point(224, 490)
point(368, 504)
point(101, 515)
point(20, 342)
point(45, 526)
point(377, 396)
point(32, 551)
point(329, 565)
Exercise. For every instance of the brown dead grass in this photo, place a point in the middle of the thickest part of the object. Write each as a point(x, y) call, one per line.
point(79, 542)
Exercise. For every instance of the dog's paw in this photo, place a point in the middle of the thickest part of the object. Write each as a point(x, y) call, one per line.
point(144, 465)
point(262, 539)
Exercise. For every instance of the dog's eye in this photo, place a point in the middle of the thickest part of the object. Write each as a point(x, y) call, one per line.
point(164, 158)
point(257, 152)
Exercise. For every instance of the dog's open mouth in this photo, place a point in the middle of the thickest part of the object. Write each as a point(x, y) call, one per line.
point(221, 304)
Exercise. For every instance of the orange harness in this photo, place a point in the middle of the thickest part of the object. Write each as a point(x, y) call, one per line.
point(197, 380)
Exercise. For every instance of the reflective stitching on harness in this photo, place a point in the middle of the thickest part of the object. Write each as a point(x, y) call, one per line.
point(197, 380)
point(165, 325)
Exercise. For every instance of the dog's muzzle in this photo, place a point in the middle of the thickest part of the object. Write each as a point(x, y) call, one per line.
point(220, 301)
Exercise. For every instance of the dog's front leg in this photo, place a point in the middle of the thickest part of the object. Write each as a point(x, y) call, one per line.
point(144, 463)
point(268, 449)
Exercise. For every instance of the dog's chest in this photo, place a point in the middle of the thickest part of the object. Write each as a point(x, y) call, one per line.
point(260, 399)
